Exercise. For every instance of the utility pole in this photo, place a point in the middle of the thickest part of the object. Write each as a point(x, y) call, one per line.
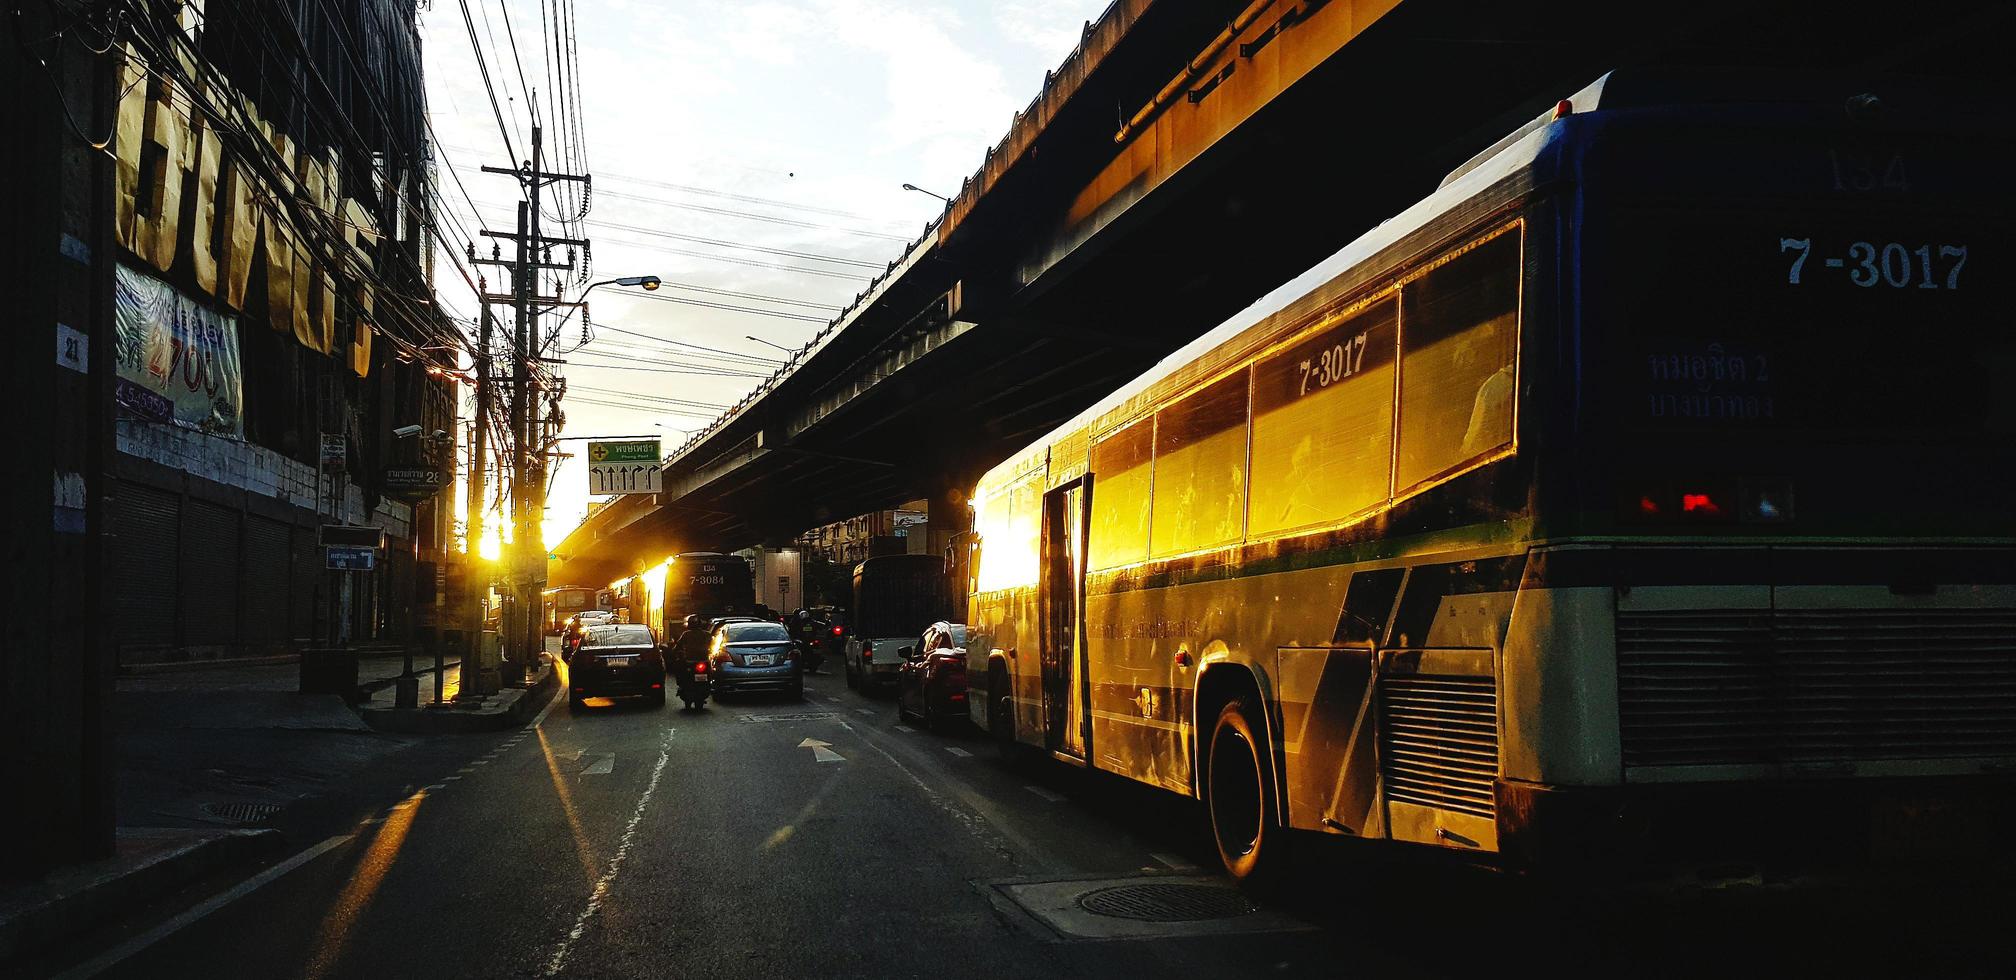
point(479, 441)
point(523, 632)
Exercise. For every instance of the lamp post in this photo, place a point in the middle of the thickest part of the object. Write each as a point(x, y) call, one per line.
point(787, 350)
point(920, 190)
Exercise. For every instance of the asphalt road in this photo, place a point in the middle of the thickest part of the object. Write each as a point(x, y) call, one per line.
point(634, 842)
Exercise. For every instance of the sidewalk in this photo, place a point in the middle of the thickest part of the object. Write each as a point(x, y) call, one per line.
point(206, 756)
point(509, 707)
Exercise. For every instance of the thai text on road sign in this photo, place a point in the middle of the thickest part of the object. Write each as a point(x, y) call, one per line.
point(623, 467)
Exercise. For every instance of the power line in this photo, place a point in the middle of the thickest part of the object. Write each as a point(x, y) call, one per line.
point(732, 308)
point(689, 253)
point(752, 216)
point(484, 67)
point(744, 246)
point(771, 361)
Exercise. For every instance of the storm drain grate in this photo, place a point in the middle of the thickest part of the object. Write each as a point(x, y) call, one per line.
point(242, 812)
point(1166, 902)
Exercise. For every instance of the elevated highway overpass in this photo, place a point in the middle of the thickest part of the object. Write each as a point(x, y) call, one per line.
point(1188, 156)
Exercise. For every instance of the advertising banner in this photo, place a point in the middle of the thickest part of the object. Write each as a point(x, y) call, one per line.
point(178, 362)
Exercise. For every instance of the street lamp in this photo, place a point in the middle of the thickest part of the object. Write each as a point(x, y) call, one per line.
point(787, 350)
point(920, 190)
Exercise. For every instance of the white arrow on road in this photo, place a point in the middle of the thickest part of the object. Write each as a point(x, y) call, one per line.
point(603, 766)
point(821, 752)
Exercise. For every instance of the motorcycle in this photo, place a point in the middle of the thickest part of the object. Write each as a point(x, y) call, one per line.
point(809, 654)
point(695, 685)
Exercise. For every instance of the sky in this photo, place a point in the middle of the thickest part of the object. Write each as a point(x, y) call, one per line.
point(805, 117)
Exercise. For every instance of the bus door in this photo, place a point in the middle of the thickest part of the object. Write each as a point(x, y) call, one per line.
point(1066, 717)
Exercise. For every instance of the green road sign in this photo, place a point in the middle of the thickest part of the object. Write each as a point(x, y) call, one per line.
point(643, 451)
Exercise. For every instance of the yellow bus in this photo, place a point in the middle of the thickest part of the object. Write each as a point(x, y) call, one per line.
point(1624, 503)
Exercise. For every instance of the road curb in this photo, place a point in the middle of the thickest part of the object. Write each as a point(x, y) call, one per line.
point(86, 898)
point(509, 708)
point(188, 666)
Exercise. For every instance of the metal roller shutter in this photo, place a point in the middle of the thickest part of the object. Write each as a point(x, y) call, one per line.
point(268, 556)
point(308, 575)
point(145, 525)
point(209, 574)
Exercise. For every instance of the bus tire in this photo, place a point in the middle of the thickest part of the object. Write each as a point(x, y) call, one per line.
point(1238, 796)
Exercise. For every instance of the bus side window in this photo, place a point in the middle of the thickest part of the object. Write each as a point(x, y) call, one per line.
point(1323, 423)
point(1459, 331)
point(1122, 475)
point(1200, 469)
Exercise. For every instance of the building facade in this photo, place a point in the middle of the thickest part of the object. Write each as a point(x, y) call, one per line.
point(274, 328)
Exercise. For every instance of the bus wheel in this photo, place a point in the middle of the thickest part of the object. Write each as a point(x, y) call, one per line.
point(1243, 820)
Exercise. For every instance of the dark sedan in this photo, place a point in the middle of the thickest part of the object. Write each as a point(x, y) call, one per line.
point(755, 656)
point(616, 661)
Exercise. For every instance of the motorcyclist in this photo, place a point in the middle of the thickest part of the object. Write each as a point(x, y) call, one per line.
point(810, 632)
point(690, 648)
point(571, 639)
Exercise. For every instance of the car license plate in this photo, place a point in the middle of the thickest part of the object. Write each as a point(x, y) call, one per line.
point(617, 661)
point(758, 659)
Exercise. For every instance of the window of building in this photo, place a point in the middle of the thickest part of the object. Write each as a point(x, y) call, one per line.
point(1323, 423)
point(1122, 478)
point(1458, 338)
point(1200, 469)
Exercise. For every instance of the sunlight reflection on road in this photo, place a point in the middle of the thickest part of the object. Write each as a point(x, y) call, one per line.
point(364, 882)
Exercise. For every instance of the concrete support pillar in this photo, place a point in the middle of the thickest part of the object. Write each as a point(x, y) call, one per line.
point(951, 527)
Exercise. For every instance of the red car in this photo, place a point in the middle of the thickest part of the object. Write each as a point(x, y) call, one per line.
point(931, 681)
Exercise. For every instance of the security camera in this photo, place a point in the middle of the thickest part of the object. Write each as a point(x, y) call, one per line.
point(406, 431)
point(440, 435)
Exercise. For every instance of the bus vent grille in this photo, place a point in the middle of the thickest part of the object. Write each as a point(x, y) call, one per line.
point(1439, 741)
point(1816, 686)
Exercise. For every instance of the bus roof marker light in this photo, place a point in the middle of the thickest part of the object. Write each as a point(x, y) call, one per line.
point(1563, 108)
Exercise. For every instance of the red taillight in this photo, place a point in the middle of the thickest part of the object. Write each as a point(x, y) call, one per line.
point(1704, 504)
point(700, 666)
point(836, 631)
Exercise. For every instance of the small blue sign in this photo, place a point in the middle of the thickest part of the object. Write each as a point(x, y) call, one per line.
point(350, 558)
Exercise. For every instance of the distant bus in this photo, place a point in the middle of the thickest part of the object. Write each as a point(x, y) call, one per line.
point(1628, 503)
point(559, 604)
point(895, 598)
point(708, 584)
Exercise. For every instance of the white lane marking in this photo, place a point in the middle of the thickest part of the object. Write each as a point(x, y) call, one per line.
point(867, 711)
point(559, 960)
point(956, 750)
point(433, 787)
point(821, 751)
point(603, 766)
point(117, 954)
point(1172, 863)
point(1048, 794)
point(371, 821)
point(450, 779)
point(833, 699)
point(906, 729)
